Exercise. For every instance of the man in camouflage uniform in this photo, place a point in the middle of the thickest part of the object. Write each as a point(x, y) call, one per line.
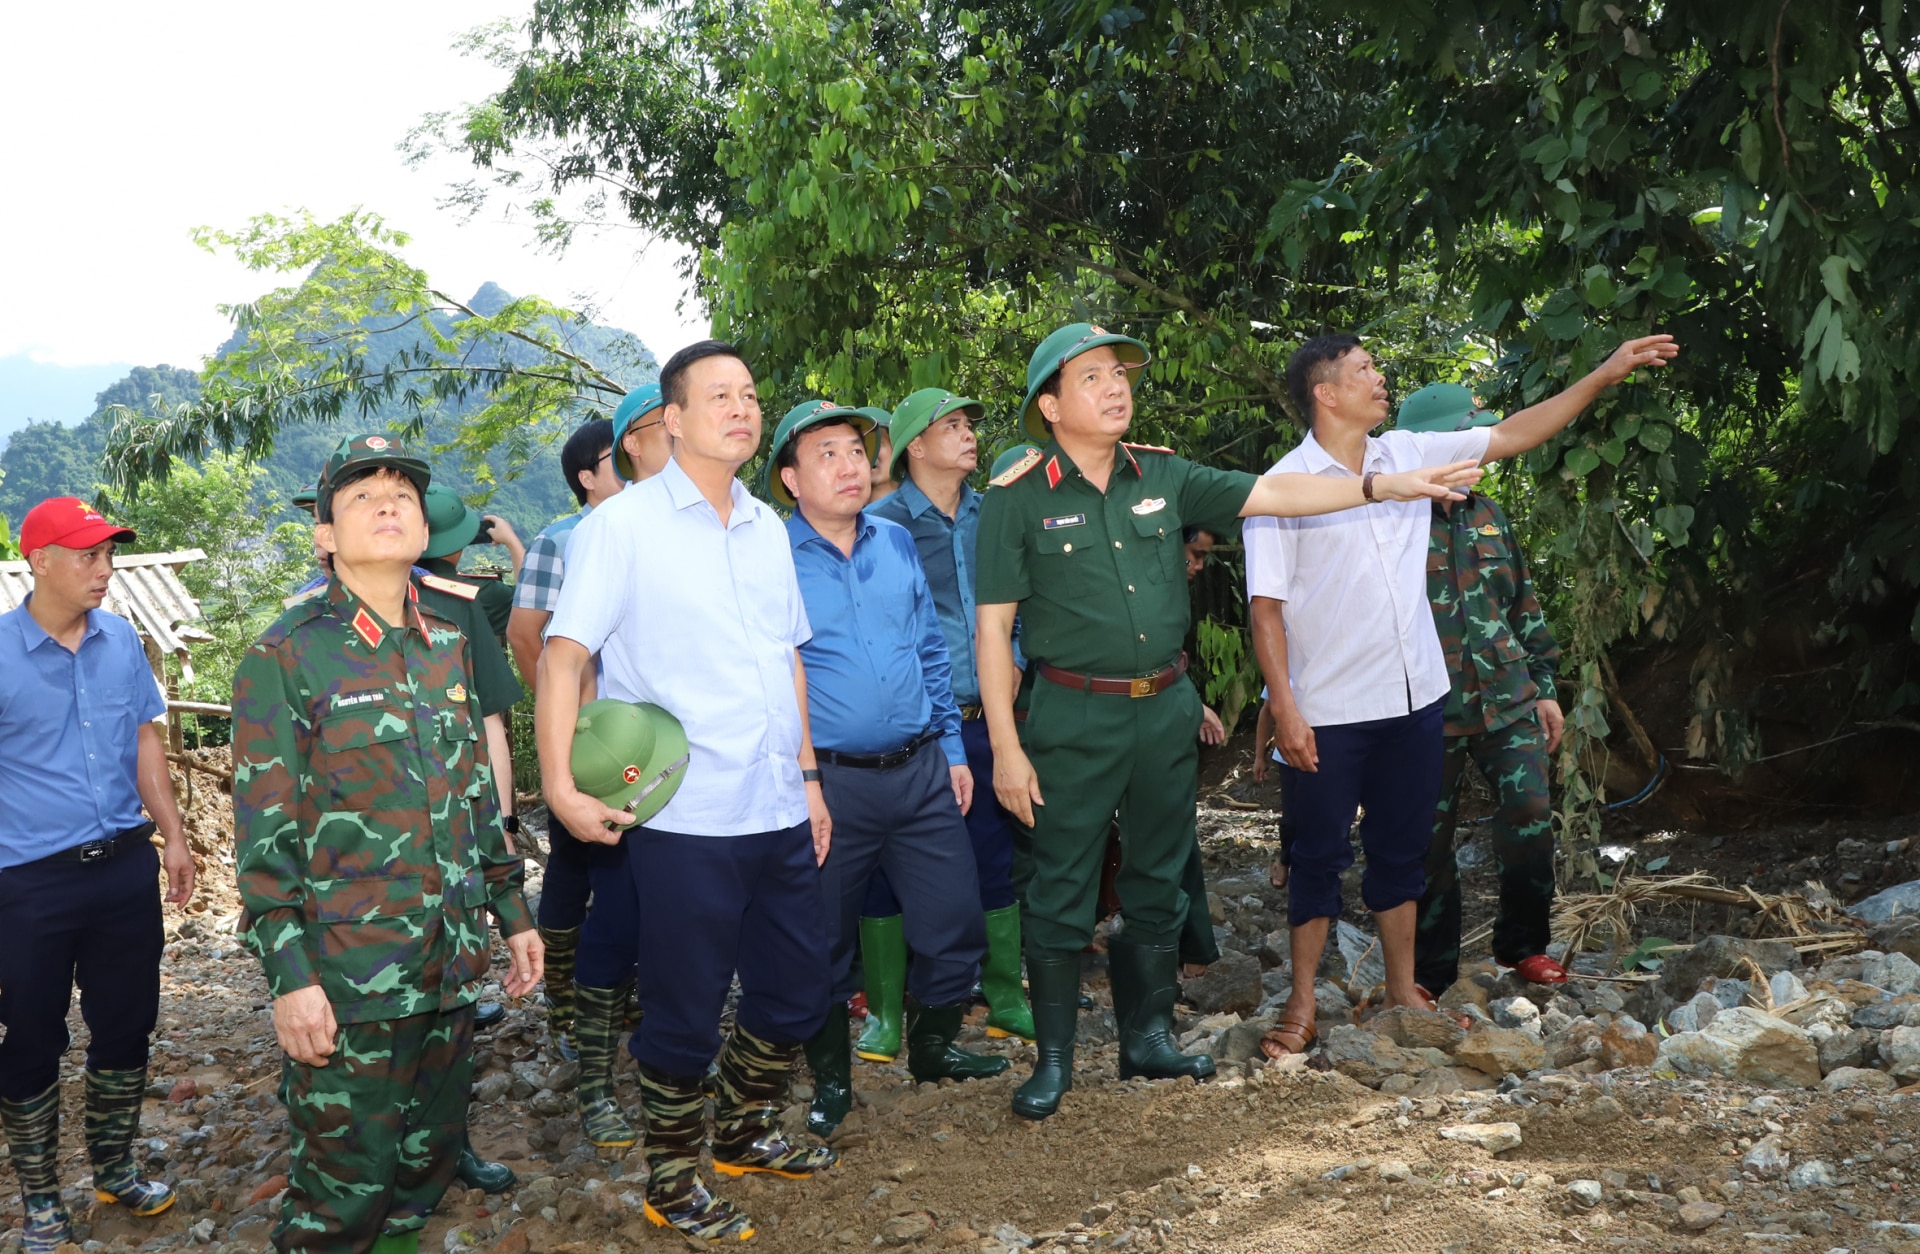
point(368, 846)
point(1501, 713)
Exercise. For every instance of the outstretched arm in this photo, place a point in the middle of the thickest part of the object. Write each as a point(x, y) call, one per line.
point(1536, 424)
point(1294, 496)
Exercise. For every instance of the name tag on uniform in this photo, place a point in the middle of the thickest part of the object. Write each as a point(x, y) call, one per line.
point(350, 700)
point(1152, 505)
point(1065, 520)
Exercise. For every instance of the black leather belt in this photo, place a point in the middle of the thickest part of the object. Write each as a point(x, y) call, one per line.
point(878, 761)
point(102, 850)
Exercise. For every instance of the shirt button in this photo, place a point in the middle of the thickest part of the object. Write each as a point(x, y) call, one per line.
point(1129, 587)
point(1143, 639)
point(1116, 544)
point(1066, 548)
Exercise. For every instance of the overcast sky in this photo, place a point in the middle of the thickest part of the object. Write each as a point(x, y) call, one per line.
point(133, 123)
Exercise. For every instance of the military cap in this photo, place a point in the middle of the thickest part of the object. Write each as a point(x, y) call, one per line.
point(881, 418)
point(634, 406)
point(1019, 455)
point(306, 498)
point(799, 418)
point(1062, 347)
point(1443, 407)
point(922, 410)
point(358, 451)
point(629, 755)
point(451, 522)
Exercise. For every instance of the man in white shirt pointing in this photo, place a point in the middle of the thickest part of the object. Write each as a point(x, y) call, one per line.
point(1346, 642)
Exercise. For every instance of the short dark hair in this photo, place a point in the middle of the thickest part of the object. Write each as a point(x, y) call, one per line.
point(323, 502)
point(1193, 531)
point(590, 441)
point(673, 375)
point(1312, 364)
point(789, 453)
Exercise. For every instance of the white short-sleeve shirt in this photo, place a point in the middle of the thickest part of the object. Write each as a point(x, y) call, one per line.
point(703, 620)
point(1361, 644)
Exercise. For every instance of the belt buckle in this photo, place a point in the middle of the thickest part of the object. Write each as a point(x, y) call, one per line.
point(1141, 687)
point(96, 850)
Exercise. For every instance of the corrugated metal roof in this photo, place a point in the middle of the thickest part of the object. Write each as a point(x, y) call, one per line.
point(146, 589)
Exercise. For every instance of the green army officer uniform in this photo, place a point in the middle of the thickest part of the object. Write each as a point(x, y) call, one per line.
point(1502, 658)
point(368, 852)
point(1099, 579)
point(454, 524)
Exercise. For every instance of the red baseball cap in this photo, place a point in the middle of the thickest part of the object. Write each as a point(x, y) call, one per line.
point(69, 522)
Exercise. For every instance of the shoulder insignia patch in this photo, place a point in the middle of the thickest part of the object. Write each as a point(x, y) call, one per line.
point(452, 587)
point(1013, 472)
point(1148, 448)
point(301, 598)
point(369, 630)
point(1053, 472)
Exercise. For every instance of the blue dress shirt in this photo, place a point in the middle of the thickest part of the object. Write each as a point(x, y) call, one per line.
point(946, 547)
point(69, 734)
point(877, 670)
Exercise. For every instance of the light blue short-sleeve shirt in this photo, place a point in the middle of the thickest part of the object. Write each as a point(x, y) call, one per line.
point(701, 619)
point(69, 734)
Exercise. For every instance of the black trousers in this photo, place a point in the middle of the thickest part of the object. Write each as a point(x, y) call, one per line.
point(93, 924)
point(904, 822)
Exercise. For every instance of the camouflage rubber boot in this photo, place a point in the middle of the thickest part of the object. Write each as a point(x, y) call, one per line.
point(597, 1025)
point(746, 1113)
point(1008, 1013)
point(931, 1053)
point(676, 1119)
point(563, 947)
point(113, 1119)
point(33, 1141)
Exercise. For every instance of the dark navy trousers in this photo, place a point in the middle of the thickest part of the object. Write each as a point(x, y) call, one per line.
point(92, 924)
point(579, 871)
point(714, 906)
point(988, 826)
point(1392, 768)
point(567, 883)
point(903, 821)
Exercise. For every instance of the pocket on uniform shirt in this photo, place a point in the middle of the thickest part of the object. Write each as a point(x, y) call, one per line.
point(1160, 532)
point(361, 898)
point(116, 711)
point(1065, 562)
point(354, 759)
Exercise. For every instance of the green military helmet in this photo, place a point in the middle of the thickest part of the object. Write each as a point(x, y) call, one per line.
point(307, 498)
point(799, 418)
point(629, 755)
point(451, 523)
point(881, 418)
point(372, 450)
point(1011, 456)
point(1062, 347)
point(634, 406)
point(1443, 407)
point(920, 411)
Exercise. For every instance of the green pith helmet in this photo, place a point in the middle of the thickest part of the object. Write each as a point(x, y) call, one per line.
point(306, 498)
point(1062, 347)
point(371, 450)
point(882, 418)
point(629, 755)
point(799, 418)
point(1443, 407)
point(1010, 456)
point(633, 407)
point(451, 522)
point(920, 411)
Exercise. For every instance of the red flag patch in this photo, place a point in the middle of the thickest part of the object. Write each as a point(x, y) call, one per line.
point(369, 629)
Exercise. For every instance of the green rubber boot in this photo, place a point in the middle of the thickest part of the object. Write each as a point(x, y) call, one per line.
point(883, 950)
point(397, 1243)
point(1008, 1013)
point(33, 1144)
point(831, 1058)
point(598, 1015)
point(1146, 982)
point(931, 1053)
point(113, 1120)
point(478, 1173)
point(563, 948)
point(1053, 980)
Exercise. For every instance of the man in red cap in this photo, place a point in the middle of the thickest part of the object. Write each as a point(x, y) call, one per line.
point(79, 756)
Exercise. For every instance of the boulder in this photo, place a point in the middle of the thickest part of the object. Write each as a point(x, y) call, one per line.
point(1767, 1159)
point(1499, 1051)
point(1580, 1042)
point(1466, 992)
point(1366, 1057)
point(1812, 1174)
point(1412, 1027)
point(1723, 957)
point(1883, 906)
point(1745, 1044)
point(1446, 1081)
point(1585, 1193)
point(1901, 1049)
point(1596, 1109)
point(1858, 1080)
point(1843, 1049)
point(1241, 1042)
point(1903, 975)
point(1625, 1043)
point(1518, 1013)
point(1899, 935)
point(1491, 1137)
point(1703, 1214)
point(1648, 1002)
point(1231, 984)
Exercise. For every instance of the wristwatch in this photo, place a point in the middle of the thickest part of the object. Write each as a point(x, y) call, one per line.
point(1366, 487)
point(811, 774)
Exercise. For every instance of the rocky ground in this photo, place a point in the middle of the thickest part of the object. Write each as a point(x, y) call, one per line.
point(1742, 1099)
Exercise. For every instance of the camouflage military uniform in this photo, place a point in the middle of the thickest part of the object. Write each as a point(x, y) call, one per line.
point(369, 848)
point(1502, 657)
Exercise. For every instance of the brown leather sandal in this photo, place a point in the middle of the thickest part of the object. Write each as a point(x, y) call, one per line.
point(1289, 1036)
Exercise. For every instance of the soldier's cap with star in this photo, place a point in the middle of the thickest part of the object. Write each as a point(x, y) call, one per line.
point(634, 406)
point(799, 418)
point(629, 755)
point(306, 498)
point(68, 522)
point(1443, 407)
point(1022, 454)
point(359, 451)
point(920, 411)
point(1062, 347)
point(451, 522)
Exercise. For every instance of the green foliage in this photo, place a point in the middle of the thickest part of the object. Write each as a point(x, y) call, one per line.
point(1232, 671)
